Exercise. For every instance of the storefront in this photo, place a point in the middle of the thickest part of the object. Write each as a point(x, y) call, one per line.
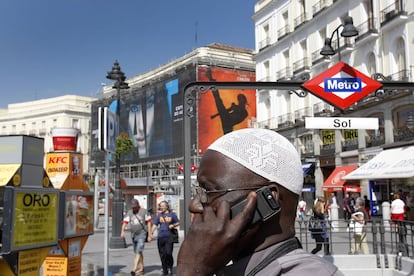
point(336, 184)
point(335, 181)
point(390, 171)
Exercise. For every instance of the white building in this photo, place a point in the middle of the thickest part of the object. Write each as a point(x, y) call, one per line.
point(37, 118)
point(289, 37)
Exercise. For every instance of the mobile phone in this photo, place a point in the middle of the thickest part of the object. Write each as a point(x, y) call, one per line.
point(266, 207)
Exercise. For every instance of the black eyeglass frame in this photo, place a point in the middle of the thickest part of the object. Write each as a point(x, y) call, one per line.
point(202, 193)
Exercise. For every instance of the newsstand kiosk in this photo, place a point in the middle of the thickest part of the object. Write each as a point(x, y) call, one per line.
point(64, 169)
point(29, 206)
point(46, 215)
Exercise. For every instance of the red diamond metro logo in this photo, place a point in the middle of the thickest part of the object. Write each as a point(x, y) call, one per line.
point(341, 85)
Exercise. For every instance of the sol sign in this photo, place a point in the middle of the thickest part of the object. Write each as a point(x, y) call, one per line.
point(342, 85)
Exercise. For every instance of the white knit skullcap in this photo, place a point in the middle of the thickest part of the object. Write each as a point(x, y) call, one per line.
point(265, 152)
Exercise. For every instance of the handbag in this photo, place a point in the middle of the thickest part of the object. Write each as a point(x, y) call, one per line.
point(174, 235)
point(315, 225)
point(355, 227)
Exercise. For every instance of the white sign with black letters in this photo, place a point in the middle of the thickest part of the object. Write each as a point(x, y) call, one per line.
point(341, 123)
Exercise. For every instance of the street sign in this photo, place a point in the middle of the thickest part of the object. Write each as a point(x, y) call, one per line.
point(110, 131)
point(342, 85)
point(341, 123)
point(107, 130)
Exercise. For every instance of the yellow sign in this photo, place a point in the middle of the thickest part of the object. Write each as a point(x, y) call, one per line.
point(30, 261)
point(328, 136)
point(5, 268)
point(55, 266)
point(6, 172)
point(61, 165)
point(350, 134)
point(35, 219)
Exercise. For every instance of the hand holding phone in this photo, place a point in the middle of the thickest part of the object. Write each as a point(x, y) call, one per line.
point(266, 206)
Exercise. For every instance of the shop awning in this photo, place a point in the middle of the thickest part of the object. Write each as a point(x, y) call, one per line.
point(392, 163)
point(335, 181)
point(307, 167)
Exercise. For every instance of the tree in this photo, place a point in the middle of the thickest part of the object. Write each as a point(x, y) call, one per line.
point(124, 144)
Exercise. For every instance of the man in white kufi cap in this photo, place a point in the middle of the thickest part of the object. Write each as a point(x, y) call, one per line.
point(253, 231)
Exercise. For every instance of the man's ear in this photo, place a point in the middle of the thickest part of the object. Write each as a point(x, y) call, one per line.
point(275, 190)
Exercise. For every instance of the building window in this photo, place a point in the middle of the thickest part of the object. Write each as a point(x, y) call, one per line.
point(404, 124)
point(75, 123)
point(376, 137)
point(306, 143)
point(350, 139)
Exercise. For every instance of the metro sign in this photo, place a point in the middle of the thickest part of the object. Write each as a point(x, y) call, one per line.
point(342, 85)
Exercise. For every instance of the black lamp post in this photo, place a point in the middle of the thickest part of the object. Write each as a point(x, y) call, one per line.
point(117, 201)
point(349, 30)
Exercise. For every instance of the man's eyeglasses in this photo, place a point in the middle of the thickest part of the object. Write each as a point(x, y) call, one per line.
point(203, 193)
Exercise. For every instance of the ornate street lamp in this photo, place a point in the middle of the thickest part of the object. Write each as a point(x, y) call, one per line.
point(349, 30)
point(117, 201)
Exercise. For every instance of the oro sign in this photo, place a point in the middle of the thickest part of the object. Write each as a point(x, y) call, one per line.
point(342, 85)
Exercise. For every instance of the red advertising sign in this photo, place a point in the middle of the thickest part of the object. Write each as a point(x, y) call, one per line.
point(342, 85)
point(222, 111)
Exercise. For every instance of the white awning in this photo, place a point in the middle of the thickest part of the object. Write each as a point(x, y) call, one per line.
point(388, 164)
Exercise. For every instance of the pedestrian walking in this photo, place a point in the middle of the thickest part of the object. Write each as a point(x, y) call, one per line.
point(321, 236)
point(164, 222)
point(346, 207)
point(302, 209)
point(397, 208)
point(139, 222)
point(357, 226)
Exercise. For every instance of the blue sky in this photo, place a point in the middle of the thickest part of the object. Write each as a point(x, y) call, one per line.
point(50, 48)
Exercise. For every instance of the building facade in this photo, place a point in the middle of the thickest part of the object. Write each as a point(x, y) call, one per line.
point(151, 114)
point(289, 38)
point(38, 118)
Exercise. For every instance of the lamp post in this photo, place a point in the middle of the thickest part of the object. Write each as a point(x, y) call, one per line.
point(349, 30)
point(117, 201)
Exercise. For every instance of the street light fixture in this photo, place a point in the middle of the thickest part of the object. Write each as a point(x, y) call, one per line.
point(117, 201)
point(349, 30)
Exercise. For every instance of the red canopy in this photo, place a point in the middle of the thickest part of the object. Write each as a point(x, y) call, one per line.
point(335, 181)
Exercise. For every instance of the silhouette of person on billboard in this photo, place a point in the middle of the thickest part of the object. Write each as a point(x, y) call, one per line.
point(232, 115)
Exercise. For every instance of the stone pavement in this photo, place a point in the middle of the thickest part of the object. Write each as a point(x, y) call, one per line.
point(120, 260)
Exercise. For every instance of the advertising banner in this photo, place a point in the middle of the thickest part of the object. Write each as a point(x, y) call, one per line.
point(7, 171)
point(152, 116)
point(35, 217)
point(78, 213)
point(220, 112)
point(328, 136)
point(62, 166)
point(55, 266)
point(30, 261)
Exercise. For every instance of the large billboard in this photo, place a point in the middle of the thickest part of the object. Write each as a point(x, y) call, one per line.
point(152, 116)
point(222, 111)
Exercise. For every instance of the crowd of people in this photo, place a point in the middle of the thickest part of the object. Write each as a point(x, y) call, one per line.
point(356, 214)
